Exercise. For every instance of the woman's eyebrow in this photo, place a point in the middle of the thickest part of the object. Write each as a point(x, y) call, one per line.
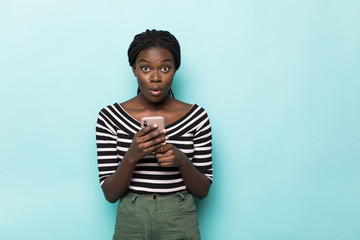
point(165, 60)
point(143, 60)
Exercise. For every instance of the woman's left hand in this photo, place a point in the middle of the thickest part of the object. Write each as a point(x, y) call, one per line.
point(170, 156)
point(196, 182)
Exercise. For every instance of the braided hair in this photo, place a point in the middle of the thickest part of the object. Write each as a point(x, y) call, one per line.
point(154, 38)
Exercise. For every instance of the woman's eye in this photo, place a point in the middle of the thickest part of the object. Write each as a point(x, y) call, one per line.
point(145, 69)
point(165, 68)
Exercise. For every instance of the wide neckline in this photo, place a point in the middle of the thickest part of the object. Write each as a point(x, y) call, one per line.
point(167, 126)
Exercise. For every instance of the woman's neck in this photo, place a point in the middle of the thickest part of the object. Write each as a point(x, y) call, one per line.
point(142, 103)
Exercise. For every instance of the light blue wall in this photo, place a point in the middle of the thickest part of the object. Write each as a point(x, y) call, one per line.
point(279, 79)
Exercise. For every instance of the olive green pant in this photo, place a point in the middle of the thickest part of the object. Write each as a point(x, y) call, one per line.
point(147, 217)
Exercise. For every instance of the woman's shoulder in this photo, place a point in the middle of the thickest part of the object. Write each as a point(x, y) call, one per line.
point(131, 103)
point(177, 104)
point(108, 108)
point(186, 107)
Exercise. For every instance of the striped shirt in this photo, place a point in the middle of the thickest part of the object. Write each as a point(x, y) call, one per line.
point(191, 134)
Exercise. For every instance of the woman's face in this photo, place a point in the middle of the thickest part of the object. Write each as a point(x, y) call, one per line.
point(154, 70)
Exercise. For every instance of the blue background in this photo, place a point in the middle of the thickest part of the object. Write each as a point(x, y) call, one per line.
point(280, 81)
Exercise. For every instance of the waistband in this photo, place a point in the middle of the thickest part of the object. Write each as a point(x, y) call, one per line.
point(154, 196)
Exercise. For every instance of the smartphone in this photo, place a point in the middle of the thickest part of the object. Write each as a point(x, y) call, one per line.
point(147, 121)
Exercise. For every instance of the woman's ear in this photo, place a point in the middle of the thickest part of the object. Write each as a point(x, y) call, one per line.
point(134, 71)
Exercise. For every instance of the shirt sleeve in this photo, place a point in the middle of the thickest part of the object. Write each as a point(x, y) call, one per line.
point(106, 141)
point(203, 147)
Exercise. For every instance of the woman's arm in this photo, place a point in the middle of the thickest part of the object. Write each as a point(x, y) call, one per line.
point(116, 185)
point(196, 182)
point(145, 142)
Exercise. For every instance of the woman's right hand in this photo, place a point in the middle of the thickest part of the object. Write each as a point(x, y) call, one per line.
point(146, 141)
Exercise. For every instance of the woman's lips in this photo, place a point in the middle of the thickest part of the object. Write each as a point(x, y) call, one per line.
point(155, 91)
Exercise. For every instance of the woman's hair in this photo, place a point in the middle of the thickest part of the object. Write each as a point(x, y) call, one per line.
point(154, 38)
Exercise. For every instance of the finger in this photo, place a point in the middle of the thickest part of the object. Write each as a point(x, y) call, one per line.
point(153, 139)
point(149, 129)
point(166, 162)
point(164, 148)
point(152, 135)
point(164, 151)
point(146, 130)
point(161, 156)
point(158, 141)
point(168, 165)
point(156, 147)
point(152, 145)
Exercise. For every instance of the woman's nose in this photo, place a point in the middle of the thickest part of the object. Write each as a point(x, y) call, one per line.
point(156, 77)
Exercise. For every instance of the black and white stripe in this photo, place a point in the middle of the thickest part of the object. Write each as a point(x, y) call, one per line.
point(191, 134)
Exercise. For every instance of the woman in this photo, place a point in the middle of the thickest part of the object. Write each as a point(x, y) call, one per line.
point(155, 172)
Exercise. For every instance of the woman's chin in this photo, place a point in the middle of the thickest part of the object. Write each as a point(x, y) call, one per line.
point(156, 99)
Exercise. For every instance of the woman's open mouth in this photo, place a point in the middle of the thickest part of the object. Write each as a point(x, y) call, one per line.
point(155, 91)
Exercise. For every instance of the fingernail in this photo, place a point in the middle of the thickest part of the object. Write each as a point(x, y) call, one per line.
point(164, 131)
point(155, 125)
point(166, 137)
